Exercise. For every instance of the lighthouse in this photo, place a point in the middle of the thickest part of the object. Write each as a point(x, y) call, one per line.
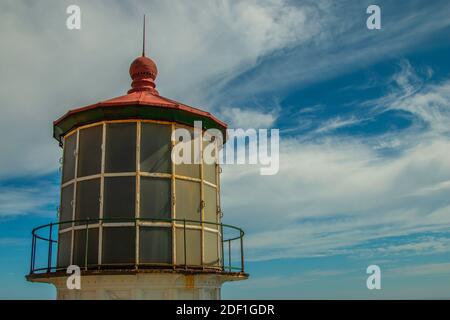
point(133, 222)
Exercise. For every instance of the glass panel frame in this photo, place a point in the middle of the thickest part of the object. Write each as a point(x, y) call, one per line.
point(155, 198)
point(66, 205)
point(155, 148)
point(211, 248)
point(210, 170)
point(117, 243)
point(89, 153)
point(120, 148)
point(191, 170)
point(69, 157)
point(64, 249)
point(87, 203)
point(210, 209)
point(119, 197)
point(193, 252)
point(188, 200)
point(155, 245)
point(79, 247)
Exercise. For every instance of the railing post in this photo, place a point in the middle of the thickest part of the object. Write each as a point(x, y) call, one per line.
point(221, 240)
point(137, 243)
point(185, 248)
point(229, 255)
point(242, 252)
point(32, 252)
point(87, 245)
point(49, 262)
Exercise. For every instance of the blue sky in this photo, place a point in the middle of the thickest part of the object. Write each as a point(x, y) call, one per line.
point(363, 114)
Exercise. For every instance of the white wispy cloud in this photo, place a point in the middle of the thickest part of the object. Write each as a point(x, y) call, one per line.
point(336, 123)
point(428, 244)
point(327, 196)
point(250, 118)
point(427, 190)
point(23, 200)
point(47, 69)
point(421, 269)
point(338, 192)
point(428, 103)
point(344, 45)
point(201, 49)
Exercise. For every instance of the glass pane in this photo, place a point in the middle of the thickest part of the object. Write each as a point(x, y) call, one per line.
point(69, 157)
point(120, 147)
point(191, 169)
point(155, 198)
point(193, 247)
point(90, 151)
point(88, 200)
point(155, 245)
point(210, 198)
point(64, 244)
point(119, 245)
point(155, 148)
point(79, 250)
point(66, 208)
point(209, 170)
point(119, 197)
point(211, 248)
point(187, 200)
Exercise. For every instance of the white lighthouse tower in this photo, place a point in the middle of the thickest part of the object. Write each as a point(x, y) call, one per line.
point(137, 225)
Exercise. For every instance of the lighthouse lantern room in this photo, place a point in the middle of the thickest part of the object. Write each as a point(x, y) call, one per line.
point(135, 223)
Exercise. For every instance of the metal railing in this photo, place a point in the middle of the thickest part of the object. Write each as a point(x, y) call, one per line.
point(230, 255)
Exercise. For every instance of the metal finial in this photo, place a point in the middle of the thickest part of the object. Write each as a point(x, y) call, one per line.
point(143, 39)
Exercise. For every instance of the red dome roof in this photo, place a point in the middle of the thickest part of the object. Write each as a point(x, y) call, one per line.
point(143, 72)
point(142, 102)
point(143, 65)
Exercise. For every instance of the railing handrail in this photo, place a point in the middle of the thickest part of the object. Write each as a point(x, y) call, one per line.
point(133, 219)
point(89, 221)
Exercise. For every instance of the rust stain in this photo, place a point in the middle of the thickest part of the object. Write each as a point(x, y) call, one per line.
point(189, 281)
